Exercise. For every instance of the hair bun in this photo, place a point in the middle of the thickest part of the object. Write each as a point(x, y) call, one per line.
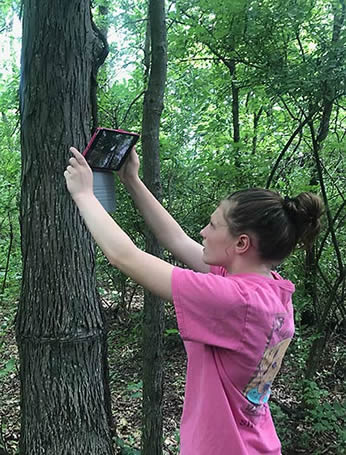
point(305, 211)
point(289, 205)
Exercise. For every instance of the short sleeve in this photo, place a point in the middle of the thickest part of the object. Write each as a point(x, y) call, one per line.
point(210, 308)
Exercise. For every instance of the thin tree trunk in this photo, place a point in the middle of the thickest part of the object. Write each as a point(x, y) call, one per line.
point(65, 400)
point(153, 323)
point(235, 102)
point(322, 334)
point(329, 98)
point(256, 118)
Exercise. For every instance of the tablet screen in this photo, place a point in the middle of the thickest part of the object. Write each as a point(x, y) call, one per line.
point(108, 148)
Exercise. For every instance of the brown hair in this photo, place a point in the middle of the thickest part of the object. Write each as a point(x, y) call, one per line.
point(279, 224)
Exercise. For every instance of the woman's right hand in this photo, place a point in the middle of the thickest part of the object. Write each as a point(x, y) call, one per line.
point(129, 170)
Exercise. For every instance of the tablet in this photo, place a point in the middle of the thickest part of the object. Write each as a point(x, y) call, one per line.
point(108, 148)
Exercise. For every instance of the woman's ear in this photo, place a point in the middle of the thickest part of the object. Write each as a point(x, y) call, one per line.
point(243, 244)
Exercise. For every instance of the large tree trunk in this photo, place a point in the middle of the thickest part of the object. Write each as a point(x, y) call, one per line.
point(153, 323)
point(65, 404)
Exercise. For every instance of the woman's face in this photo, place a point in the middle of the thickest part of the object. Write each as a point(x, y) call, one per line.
point(217, 241)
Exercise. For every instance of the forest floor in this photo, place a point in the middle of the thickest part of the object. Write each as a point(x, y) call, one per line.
point(300, 436)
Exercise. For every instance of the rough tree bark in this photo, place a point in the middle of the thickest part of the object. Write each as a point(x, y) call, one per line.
point(65, 403)
point(153, 323)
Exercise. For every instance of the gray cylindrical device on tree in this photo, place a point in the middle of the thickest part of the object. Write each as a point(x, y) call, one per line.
point(104, 189)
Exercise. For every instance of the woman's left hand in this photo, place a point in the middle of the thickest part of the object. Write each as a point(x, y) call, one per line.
point(78, 176)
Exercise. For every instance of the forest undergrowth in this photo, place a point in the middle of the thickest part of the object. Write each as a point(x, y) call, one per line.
point(316, 430)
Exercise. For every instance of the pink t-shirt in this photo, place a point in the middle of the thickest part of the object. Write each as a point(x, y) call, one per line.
point(236, 329)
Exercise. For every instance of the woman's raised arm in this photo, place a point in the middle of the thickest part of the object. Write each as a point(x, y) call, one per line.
point(168, 232)
point(149, 271)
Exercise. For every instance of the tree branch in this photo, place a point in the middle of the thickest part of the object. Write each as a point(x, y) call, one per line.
point(131, 104)
point(286, 147)
point(315, 148)
point(323, 241)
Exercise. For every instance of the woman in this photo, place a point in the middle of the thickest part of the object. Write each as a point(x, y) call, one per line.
point(234, 313)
